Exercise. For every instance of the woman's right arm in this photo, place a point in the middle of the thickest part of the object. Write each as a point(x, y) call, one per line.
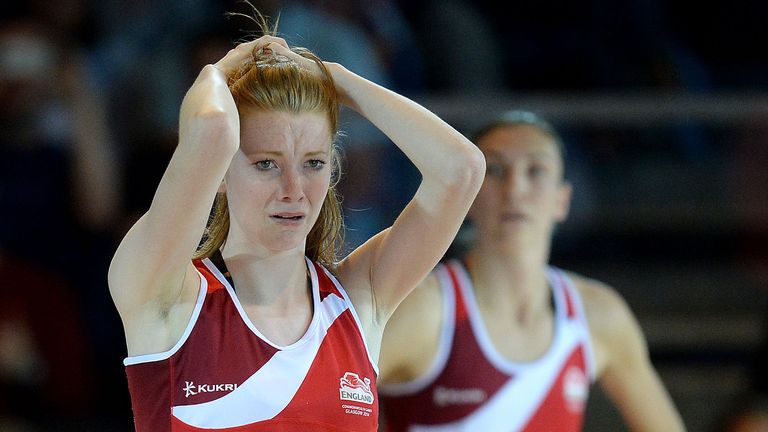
point(149, 266)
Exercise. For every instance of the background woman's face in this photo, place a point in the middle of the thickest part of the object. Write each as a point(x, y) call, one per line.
point(523, 195)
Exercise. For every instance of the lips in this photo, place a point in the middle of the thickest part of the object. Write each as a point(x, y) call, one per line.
point(288, 218)
point(513, 217)
point(288, 215)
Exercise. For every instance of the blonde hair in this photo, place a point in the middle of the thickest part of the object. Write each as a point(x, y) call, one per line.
point(275, 83)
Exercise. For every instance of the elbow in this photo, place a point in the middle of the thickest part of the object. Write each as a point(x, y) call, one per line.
point(469, 170)
point(210, 117)
point(210, 126)
point(478, 166)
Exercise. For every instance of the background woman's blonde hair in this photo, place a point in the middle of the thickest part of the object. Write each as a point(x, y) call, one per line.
point(274, 83)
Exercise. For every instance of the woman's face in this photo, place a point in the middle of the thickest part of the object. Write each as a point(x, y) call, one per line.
point(523, 195)
point(278, 179)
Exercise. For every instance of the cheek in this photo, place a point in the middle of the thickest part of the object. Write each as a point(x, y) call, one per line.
point(249, 190)
point(487, 197)
point(549, 201)
point(317, 189)
point(544, 191)
point(247, 195)
point(483, 204)
point(246, 204)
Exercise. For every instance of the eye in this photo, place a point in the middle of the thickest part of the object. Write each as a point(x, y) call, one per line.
point(537, 170)
point(495, 170)
point(265, 164)
point(315, 164)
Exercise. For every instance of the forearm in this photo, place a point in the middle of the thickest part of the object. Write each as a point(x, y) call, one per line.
point(209, 116)
point(452, 170)
point(208, 140)
point(635, 388)
point(437, 150)
point(626, 372)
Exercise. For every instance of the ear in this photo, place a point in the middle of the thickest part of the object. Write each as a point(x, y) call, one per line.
point(564, 201)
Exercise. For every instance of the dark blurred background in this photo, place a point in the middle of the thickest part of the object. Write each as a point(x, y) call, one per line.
point(663, 106)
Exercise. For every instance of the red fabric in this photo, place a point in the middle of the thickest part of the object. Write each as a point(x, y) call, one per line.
point(470, 372)
point(222, 350)
point(558, 412)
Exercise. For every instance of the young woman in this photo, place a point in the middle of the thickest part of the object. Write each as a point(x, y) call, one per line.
point(259, 327)
point(507, 342)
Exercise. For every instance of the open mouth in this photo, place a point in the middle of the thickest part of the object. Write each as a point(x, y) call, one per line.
point(513, 217)
point(288, 217)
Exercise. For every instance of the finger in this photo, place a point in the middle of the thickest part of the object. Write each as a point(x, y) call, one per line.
point(274, 39)
point(233, 59)
point(275, 48)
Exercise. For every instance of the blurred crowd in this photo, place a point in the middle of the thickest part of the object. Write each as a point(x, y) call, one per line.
point(89, 97)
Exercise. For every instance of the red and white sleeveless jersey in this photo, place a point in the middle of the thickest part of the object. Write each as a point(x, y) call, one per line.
point(471, 387)
point(224, 375)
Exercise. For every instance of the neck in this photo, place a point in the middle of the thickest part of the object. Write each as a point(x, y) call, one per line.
point(514, 283)
point(267, 278)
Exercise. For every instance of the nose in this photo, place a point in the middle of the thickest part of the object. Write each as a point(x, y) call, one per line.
point(290, 186)
point(515, 184)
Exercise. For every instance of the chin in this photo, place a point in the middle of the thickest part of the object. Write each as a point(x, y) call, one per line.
point(285, 242)
point(513, 237)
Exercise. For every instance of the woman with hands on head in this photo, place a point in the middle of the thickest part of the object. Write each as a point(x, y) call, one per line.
point(258, 326)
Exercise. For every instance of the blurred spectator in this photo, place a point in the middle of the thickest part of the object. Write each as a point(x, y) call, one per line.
point(58, 170)
point(372, 37)
point(44, 360)
point(59, 184)
point(457, 30)
point(70, 22)
point(147, 158)
point(140, 49)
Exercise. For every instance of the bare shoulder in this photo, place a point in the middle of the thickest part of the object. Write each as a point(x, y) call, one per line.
point(615, 333)
point(603, 305)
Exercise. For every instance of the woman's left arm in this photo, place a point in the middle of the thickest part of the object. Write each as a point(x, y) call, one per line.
point(625, 371)
point(394, 261)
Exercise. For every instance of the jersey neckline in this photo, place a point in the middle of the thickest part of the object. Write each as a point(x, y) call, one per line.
point(479, 329)
point(315, 289)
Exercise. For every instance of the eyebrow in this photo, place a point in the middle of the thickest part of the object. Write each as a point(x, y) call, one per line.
point(279, 153)
point(536, 154)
